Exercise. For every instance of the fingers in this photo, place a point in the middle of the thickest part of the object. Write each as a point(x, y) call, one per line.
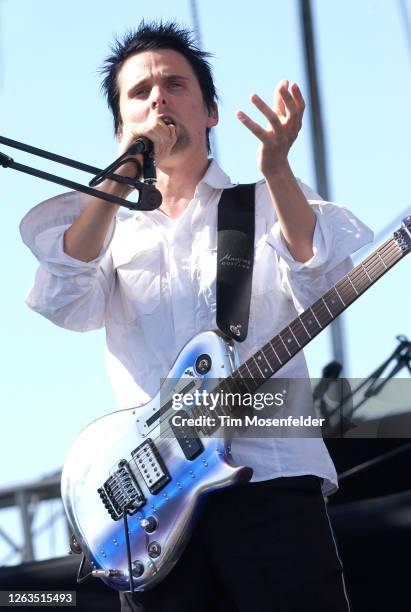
point(267, 111)
point(279, 105)
point(254, 127)
point(290, 105)
point(287, 112)
point(162, 135)
point(298, 97)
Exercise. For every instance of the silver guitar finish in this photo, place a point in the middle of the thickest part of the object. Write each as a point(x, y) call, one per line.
point(161, 526)
point(126, 460)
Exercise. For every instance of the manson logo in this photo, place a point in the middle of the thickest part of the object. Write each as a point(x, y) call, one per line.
point(235, 262)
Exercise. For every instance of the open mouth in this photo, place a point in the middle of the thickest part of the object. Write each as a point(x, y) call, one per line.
point(168, 120)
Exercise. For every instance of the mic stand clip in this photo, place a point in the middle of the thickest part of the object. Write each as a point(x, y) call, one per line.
point(149, 197)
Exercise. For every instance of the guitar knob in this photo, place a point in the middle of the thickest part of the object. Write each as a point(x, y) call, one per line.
point(203, 364)
point(149, 524)
point(154, 550)
point(138, 569)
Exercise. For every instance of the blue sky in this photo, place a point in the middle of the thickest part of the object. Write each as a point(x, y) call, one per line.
point(53, 381)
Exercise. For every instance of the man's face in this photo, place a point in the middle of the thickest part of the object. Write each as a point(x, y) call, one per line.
point(161, 83)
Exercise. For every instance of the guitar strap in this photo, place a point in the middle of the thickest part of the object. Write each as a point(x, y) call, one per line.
point(235, 259)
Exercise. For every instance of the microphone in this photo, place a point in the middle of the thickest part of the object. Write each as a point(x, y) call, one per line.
point(142, 145)
point(149, 197)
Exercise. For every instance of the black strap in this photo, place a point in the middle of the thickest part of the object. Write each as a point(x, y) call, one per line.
point(235, 258)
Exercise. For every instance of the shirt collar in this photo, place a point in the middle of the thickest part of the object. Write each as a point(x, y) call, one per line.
point(215, 177)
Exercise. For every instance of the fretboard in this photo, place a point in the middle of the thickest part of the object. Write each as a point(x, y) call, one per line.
point(280, 349)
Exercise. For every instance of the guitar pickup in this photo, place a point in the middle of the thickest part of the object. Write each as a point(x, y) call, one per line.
point(186, 436)
point(151, 466)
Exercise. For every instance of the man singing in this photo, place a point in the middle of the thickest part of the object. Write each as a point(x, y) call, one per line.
point(150, 279)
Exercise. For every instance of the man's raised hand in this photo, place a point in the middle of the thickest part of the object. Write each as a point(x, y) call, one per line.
point(284, 123)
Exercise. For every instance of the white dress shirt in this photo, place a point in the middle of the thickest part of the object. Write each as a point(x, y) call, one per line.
point(153, 288)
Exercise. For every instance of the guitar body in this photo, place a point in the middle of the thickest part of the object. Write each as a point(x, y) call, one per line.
point(133, 464)
point(127, 458)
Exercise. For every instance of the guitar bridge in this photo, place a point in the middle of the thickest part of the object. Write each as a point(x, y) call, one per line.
point(121, 492)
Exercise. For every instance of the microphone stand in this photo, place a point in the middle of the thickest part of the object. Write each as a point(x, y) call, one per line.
point(400, 358)
point(149, 198)
point(342, 407)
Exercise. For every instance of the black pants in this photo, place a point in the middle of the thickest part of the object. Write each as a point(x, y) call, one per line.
point(258, 547)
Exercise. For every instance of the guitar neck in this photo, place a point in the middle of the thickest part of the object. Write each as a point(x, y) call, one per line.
point(280, 349)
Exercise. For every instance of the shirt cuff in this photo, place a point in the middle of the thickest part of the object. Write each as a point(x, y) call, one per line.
point(338, 233)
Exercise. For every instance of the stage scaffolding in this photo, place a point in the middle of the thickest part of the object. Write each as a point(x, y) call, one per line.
point(27, 500)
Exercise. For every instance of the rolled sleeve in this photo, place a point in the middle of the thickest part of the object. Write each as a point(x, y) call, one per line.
point(338, 234)
point(43, 228)
point(69, 292)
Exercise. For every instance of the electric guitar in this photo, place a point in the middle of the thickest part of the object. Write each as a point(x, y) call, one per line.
point(133, 479)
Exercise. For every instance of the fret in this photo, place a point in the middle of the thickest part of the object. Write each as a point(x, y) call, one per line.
point(360, 278)
point(376, 270)
point(301, 330)
point(385, 257)
point(252, 383)
point(365, 270)
point(275, 352)
point(346, 289)
point(325, 304)
point(245, 364)
point(284, 345)
point(352, 284)
point(386, 251)
point(323, 314)
point(300, 333)
point(295, 337)
point(281, 350)
point(242, 382)
point(232, 385)
point(271, 357)
point(306, 330)
point(242, 386)
point(270, 369)
point(389, 258)
point(268, 363)
point(225, 382)
point(316, 318)
point(256, 363)
point(337, 292)
point(240, 375)
point(310, 323)
point(394, 258)
point(289, 341)
point(334, 306)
